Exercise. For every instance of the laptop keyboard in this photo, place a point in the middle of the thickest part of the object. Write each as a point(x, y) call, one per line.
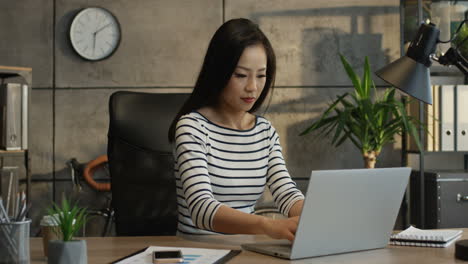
point(279, 248)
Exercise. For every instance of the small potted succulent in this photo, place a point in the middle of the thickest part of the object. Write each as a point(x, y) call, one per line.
point(69, 219)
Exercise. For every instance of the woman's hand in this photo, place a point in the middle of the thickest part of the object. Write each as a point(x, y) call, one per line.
point(280, 228)
point(232, 221)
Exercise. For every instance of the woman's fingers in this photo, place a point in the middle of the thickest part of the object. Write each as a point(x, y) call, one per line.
point(290, 236)
point(295, 219)
point(294, 229)
point(282, 229)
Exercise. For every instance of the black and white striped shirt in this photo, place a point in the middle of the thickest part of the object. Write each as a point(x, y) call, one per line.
point(215, 165)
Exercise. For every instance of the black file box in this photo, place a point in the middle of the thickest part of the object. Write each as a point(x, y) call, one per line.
point(446, 199)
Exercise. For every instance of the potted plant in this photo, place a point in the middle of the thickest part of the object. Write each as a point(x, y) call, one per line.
point(69, 219)
point(364, 118)
point(461, 40)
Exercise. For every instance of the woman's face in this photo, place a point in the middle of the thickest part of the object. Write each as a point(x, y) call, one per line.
point(247, 81)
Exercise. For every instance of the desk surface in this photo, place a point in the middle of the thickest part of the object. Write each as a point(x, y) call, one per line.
point(107, 249)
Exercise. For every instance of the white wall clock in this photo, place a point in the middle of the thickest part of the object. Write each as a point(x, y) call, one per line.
point(95, 33)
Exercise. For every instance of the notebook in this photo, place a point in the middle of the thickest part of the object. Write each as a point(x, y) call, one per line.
point(413, 236)
point(344, 211)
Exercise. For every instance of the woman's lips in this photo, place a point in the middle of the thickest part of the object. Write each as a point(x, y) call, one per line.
point(248, 99)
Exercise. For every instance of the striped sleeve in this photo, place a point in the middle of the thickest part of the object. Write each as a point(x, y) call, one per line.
point(282, 187)
point(191, 163)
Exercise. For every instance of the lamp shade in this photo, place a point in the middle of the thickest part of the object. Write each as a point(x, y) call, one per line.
point(409, 76)
point(410, 73)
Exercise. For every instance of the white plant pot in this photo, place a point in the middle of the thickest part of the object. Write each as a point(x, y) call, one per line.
point(69, 252)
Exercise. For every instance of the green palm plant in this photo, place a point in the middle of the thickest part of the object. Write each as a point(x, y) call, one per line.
point(367, 120)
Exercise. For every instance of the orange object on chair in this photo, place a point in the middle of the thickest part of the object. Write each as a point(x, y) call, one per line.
point(89, 170)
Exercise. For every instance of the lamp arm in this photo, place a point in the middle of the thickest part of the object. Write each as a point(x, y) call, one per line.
point(456, 32)
point(461, 67)
point(453, 57)
point(463, 61)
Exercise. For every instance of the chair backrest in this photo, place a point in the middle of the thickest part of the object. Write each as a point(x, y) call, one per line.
point(141, 163)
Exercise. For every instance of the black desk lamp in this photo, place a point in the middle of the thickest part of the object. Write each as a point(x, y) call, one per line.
point(410, 73)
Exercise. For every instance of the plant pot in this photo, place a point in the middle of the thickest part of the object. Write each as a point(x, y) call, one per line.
point(67, 252)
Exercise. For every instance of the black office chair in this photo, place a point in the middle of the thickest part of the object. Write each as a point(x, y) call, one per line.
point(141, 163)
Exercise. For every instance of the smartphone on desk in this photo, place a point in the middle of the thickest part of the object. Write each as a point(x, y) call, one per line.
point(173, 256)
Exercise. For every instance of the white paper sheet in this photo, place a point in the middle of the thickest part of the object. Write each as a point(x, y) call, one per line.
point(191, 255)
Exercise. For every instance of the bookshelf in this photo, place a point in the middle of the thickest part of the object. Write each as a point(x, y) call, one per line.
point(446, 15)
point(22, 75)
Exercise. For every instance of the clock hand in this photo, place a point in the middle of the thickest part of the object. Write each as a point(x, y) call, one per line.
point(94, 42)
point(101, 28)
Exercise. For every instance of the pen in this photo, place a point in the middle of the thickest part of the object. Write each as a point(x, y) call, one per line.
point(2, 209)
point(22, 206)
point(9, 244)
point(22, 216)
point(6, 231)
point(10, 183)
point(16, 203)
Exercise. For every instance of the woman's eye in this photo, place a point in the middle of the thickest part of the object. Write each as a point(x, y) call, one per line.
point(240, 75)
point(261, 76)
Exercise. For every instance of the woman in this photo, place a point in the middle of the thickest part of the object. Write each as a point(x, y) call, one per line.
point(225, 156)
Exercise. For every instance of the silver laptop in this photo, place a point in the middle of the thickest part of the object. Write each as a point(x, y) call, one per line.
point(344, 211)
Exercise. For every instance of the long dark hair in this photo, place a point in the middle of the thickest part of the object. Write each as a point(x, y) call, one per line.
point(221, 59)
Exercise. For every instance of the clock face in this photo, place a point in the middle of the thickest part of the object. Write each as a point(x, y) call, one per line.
point(95, 33)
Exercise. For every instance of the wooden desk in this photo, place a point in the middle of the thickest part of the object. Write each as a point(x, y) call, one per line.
point(107, 249)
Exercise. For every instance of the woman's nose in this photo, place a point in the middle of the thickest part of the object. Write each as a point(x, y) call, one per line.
point(251, 85)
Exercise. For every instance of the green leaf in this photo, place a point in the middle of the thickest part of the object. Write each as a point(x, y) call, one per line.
point(70, 219)
point(366, 80)
point(323, 120)
point(352, 75)
point(341, 125)
point(368, 120)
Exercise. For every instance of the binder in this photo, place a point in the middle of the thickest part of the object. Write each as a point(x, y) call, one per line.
point(436, 122)
point(10, 112)
point(430, 124)
point(412, 109)
point(24, 116)
point(462, 118)
point(447, 118)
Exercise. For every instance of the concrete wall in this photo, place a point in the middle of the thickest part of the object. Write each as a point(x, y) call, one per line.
point(162, 48)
